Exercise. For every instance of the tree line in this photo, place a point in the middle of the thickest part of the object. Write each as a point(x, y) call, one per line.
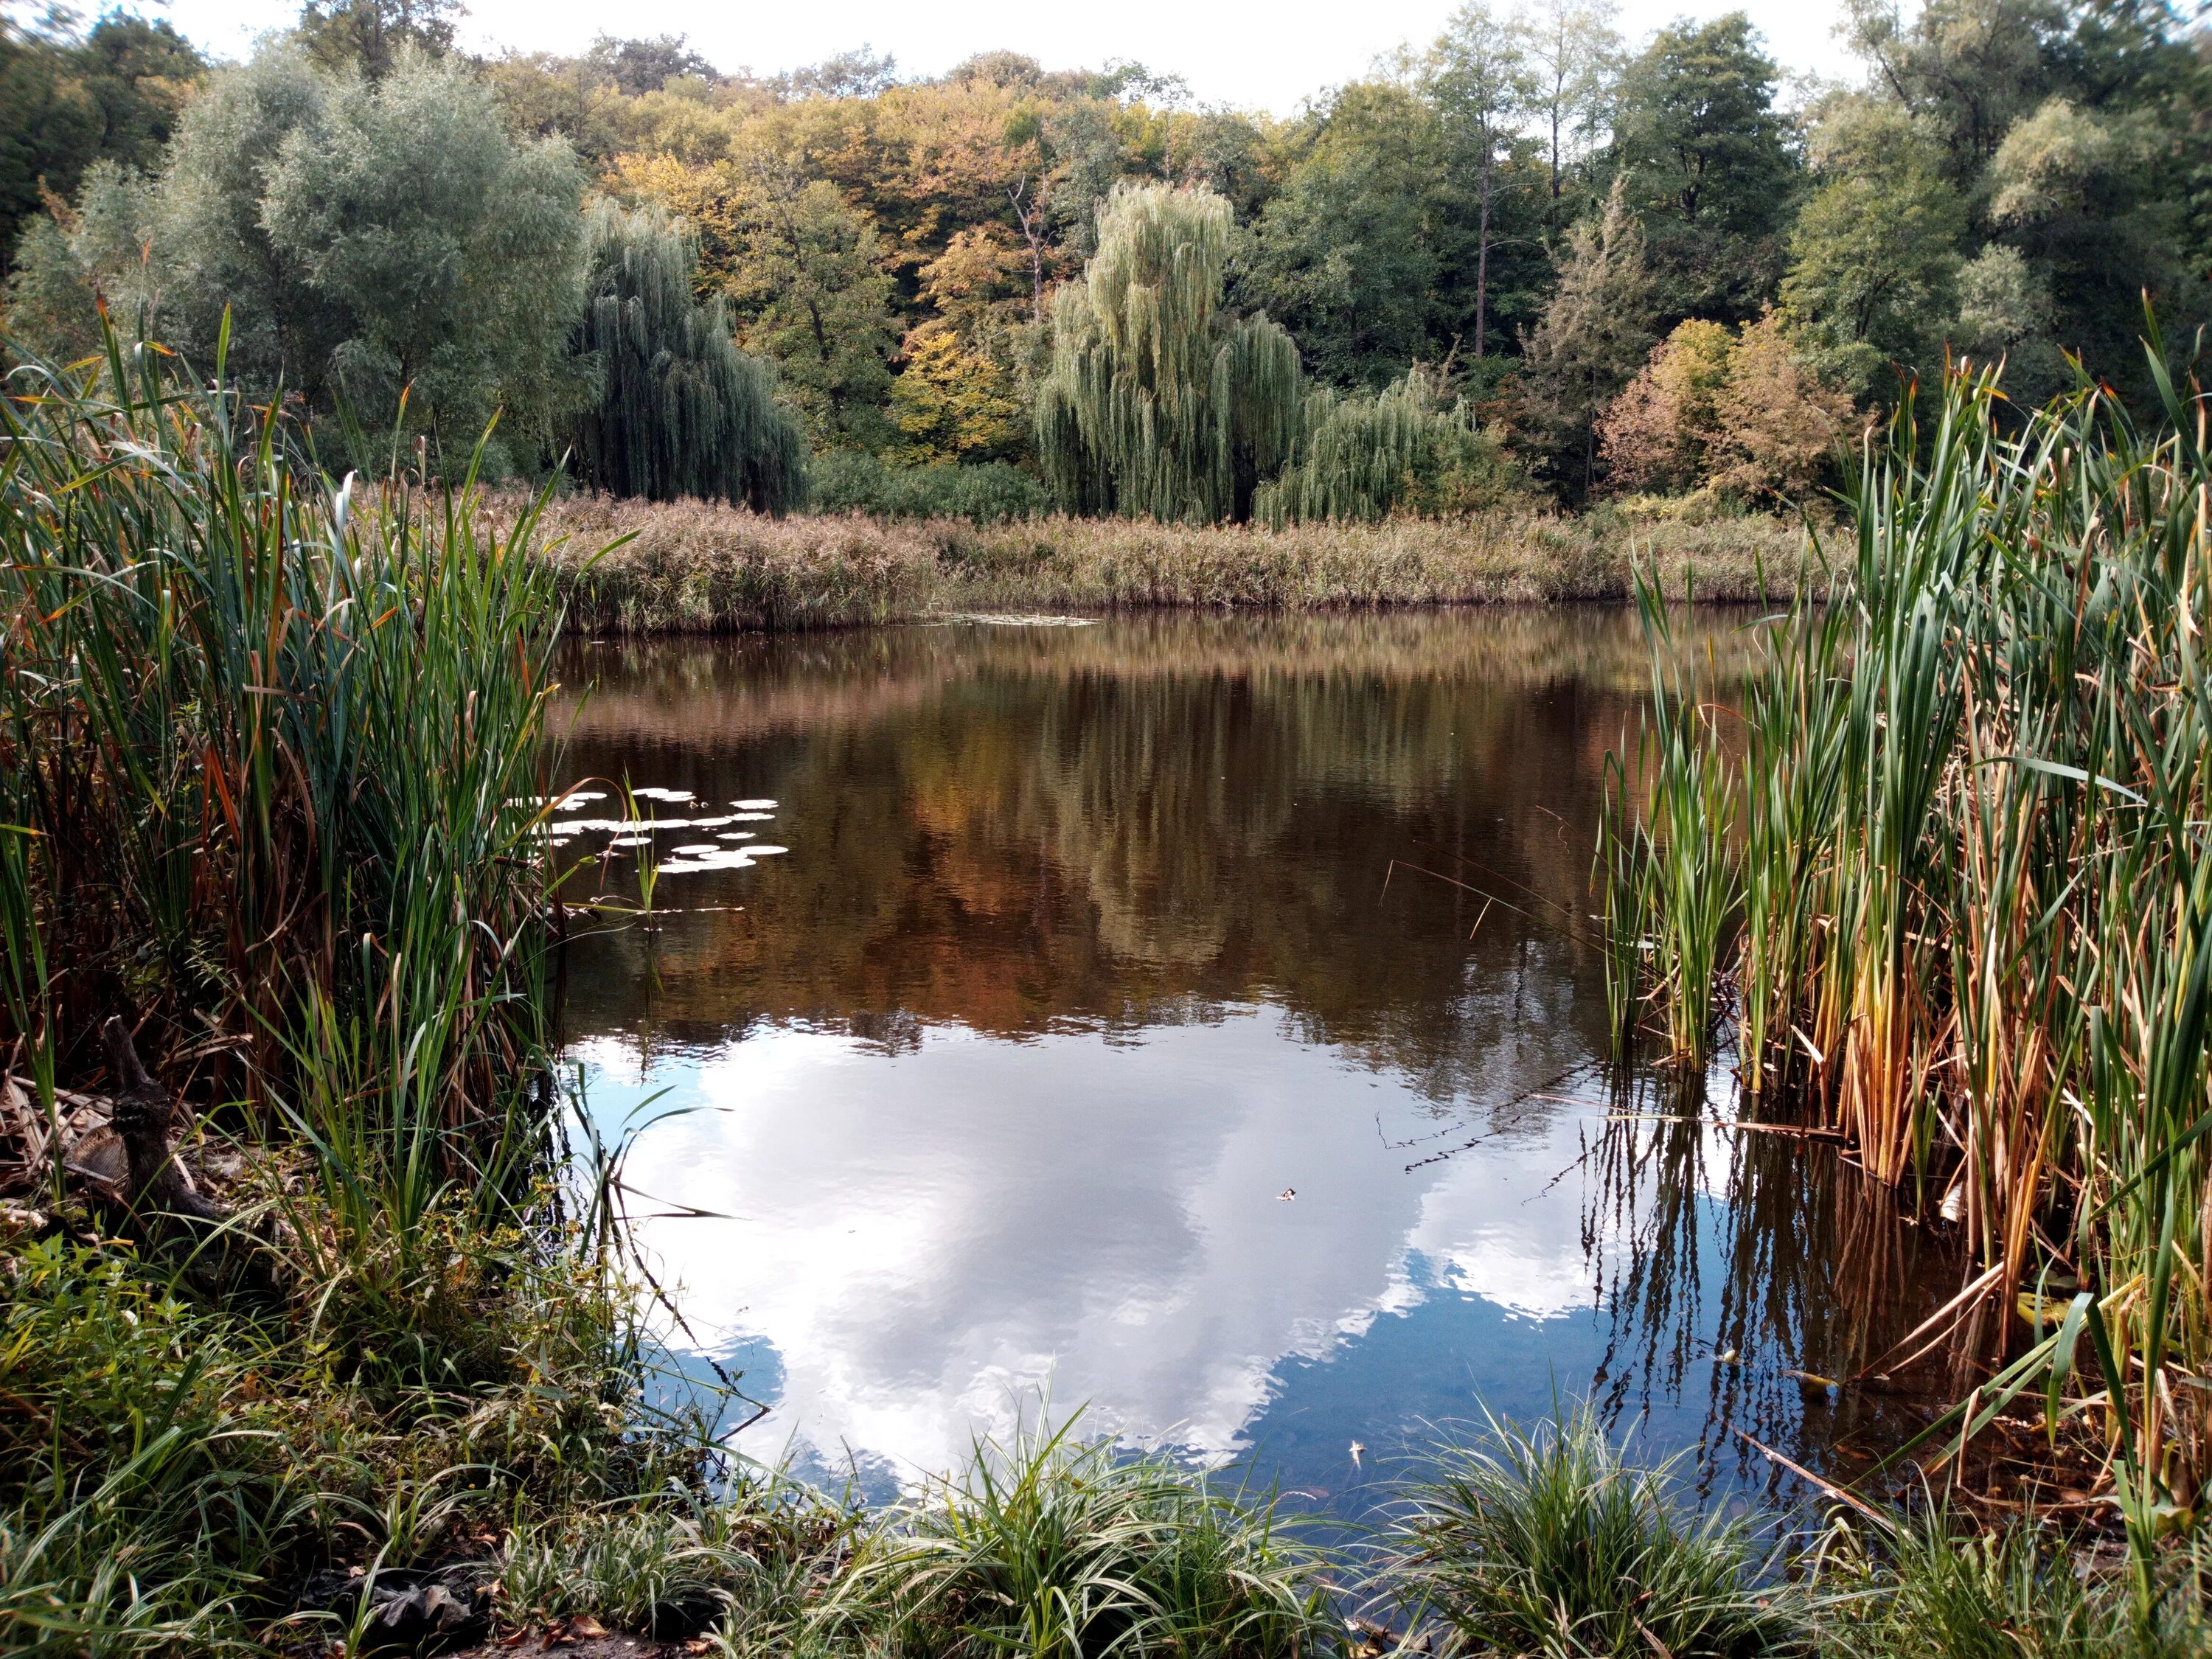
point(1529, 257)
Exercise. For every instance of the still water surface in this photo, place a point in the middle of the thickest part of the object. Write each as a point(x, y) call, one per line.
point(1106, 1025)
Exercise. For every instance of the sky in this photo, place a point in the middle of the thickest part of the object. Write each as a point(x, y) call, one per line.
point(1250, 56)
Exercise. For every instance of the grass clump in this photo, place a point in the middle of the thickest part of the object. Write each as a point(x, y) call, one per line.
point(1548, 1541)
point(1930, 1584)
point(1051, 1547)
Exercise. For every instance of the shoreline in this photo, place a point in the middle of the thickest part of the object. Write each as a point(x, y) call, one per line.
point(637, 568)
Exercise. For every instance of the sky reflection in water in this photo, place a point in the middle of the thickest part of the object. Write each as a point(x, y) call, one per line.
point(1088, 947)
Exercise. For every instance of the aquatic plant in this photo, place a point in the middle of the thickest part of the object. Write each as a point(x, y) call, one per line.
point(632, 566)
point(1976, 913)
point(273, 759)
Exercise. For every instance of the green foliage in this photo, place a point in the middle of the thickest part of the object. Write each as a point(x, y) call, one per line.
point(1548, 1542)
point(1362, 457)
point(370, 37)
point(1591, 339)
point(1157, 402)
point(808, 283)
point(1704, 157)
point(66, 104)
point(990, 492)
point(453, 255)
point(383, 244)
point(680, 409)
point(1874, 253)
point(1346, 257)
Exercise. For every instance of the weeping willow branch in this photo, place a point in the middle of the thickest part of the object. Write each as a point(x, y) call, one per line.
point(1159, 403)
point(681, 410)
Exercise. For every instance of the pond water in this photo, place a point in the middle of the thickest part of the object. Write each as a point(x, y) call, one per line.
point(1196, 1017)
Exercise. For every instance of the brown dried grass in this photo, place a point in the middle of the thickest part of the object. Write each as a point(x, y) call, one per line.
point(692, 567)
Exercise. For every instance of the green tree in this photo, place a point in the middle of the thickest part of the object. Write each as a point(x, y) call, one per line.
point(2078, 193)
point(372, 36)
point(452, 253)
point(1480, 82)
point(1592, 338)
point(1874, 253)
point(679, 410)
point(807, 283)
point(1346, 255)
point(1706, 158)
point(65, 104)
point(72, 259)
point(1574, 53)
point(2006, 311)
point(1157, 400)
point(1968, 68)
point(209, 245)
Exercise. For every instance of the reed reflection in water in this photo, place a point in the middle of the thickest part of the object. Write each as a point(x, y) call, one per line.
point(1090, 945)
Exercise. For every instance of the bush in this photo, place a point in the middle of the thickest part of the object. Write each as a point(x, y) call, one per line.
point(852, 480)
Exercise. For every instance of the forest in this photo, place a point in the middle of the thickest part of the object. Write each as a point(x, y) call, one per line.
point(1531, 261)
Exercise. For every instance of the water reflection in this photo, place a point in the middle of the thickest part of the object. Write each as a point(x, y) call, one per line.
point(1092, 944)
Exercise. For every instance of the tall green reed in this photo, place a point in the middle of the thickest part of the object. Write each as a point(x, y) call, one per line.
point(1977, 898)
point(277, 744)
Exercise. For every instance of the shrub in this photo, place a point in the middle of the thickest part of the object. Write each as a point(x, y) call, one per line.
point(852, 480)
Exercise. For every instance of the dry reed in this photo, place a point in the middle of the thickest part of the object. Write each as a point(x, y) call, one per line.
point(693, 567)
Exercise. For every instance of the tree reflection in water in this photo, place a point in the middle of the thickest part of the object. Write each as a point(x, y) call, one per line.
point(1083, 930)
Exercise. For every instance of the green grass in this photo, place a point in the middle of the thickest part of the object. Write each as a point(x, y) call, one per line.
point(1548, 1541)
point(1052, 1547)
point(1935, 1584)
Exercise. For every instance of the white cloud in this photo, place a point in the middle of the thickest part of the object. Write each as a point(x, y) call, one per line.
point(923, 1237)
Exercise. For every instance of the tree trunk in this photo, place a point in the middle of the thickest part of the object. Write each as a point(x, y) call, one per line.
point(1482, 262)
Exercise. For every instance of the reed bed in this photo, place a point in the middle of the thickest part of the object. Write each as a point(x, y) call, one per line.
point(269, 752)
point(692, 567)
point(1967, 919)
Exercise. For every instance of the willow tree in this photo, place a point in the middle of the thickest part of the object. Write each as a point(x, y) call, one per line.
point(681, 410)
point(1157, 401)
point(1400, 450)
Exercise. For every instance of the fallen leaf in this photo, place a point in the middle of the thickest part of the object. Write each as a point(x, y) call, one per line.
point(584, 1626)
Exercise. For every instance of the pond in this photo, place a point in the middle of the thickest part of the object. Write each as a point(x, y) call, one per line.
point(1194, 1018)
